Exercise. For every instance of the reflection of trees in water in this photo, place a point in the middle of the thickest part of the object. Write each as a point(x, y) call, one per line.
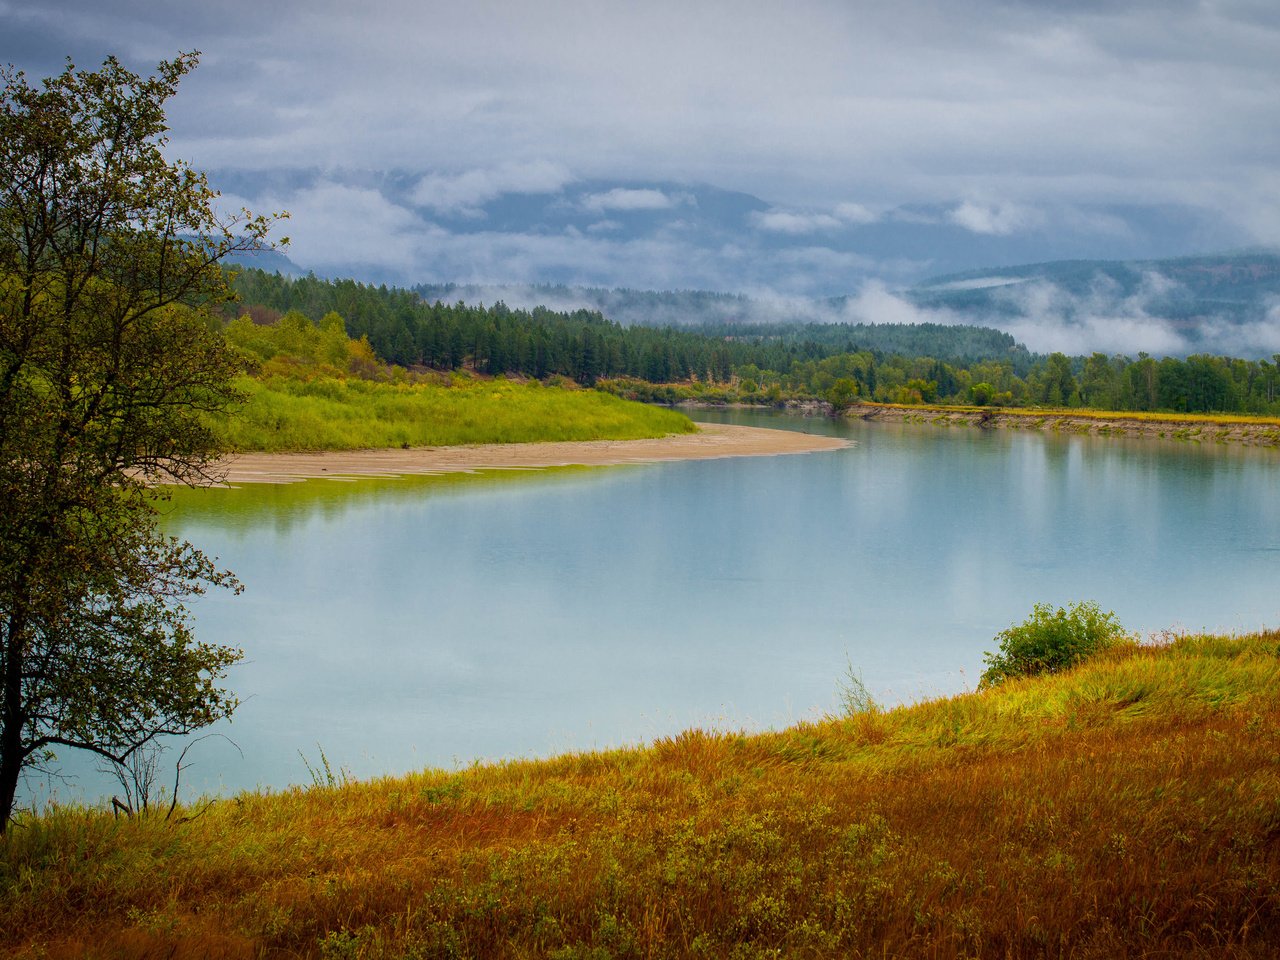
point(251, 507)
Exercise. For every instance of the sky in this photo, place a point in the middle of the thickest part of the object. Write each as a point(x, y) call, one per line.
point(809, 148)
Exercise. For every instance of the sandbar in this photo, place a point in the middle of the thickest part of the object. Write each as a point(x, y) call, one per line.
point(712, 441)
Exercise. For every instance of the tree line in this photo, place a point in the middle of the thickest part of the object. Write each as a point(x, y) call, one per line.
point(406, 329)
point(1195, 384)
point(842, 363)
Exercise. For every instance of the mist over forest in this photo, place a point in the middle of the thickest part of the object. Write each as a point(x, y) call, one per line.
point(1228, 304)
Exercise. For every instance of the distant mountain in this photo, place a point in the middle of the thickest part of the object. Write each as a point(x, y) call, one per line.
point(1232, 280)
point(544, 226)
point(272, 261)
point(1227, 303)
point(677, 247)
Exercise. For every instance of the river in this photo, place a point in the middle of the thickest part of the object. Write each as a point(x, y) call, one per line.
point(402, 623)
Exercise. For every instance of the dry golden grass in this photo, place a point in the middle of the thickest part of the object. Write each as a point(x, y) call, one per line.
point(1129, 808)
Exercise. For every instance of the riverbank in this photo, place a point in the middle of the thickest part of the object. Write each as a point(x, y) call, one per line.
point(1190, 428)
point(1124, 808)
point(712, 441)
point(1260, 432)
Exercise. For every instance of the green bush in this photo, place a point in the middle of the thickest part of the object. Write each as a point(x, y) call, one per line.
point(1051, 640)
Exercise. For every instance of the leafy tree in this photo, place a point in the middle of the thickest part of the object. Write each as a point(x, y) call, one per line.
point(1097, 381)
point(1057, 385)
point(109, 257)
point(1142, 384)
point(981, 394)
point(1051, 640)
point(842, 394)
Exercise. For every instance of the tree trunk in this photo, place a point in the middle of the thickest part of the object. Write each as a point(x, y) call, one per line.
point(10, 768)
point(11, 752)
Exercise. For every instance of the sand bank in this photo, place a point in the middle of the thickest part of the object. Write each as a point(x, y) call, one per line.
point(713, 441)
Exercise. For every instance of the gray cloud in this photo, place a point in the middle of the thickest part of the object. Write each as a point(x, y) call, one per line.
point(464, 193)
point(1004, 113)
point(785, 221)
point(1000, 219)
point(630, 199)
point(335, 225)
point(922, 98)
point(798, 222)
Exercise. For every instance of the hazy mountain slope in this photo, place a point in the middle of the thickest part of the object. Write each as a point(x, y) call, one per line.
point(1223, 304)
point(548, 227)
point(1227, 303)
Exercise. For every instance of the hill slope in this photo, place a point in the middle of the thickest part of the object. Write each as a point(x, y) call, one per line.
point(1228, 303)
point(1127, 808)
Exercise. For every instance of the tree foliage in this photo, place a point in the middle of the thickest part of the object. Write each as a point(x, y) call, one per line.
point(109, 357)
point(761, 363)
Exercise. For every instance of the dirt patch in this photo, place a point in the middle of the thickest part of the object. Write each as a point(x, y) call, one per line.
point(712, 441)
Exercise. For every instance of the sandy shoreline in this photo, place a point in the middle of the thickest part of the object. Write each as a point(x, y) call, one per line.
point(713, 441)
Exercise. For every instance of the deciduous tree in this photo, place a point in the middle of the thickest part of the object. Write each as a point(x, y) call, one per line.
point(109, 258)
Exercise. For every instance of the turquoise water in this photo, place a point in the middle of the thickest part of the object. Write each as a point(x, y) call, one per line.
point(398, 624)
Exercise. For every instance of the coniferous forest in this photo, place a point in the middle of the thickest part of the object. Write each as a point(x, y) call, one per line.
point(897, 363)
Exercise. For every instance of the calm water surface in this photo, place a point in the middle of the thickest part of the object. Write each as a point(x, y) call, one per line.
point(415, 622)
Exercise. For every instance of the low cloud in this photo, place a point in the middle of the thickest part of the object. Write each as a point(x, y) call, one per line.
point(624, 199)
point(336, 226)
point(464, 194)
point(997, 219)
point(783, 221)
point(876, 303)
point(1260, 339)
point(798, 223)
point(979, 283)
point(1043, 316)
point(856, 214)
point(1106, 318)
point(1109, 332)
point(1048, 318)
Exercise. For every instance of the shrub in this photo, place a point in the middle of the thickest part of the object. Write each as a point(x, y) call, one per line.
point(1051, 640)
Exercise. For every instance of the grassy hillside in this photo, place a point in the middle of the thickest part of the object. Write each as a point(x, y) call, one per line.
point(285, 413)
point(1130, 807)
point(315, 388)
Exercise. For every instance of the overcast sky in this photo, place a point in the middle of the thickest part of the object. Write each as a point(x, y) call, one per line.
point(409, 120)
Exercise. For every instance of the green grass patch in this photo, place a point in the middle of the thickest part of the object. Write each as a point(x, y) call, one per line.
point(291, 414)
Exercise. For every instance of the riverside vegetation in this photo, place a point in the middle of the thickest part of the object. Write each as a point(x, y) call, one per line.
point(315, 388)
point(766, 364)
point(415, 373)
point(1124, 806)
